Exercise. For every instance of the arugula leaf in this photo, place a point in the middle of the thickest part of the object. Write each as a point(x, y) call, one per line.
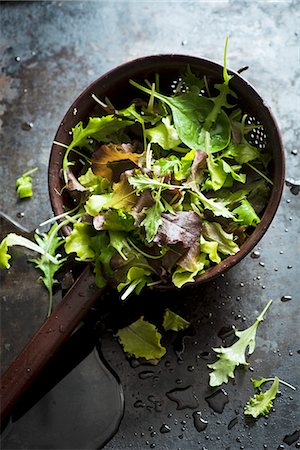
point(153, 219)
point(261, 403)
point(79, 241)
point(142, 340)
point(231, 357)
point(13, 239)
point(173, 321)
point(24, 184)
point(213, 231)
point(49, 242)
point(246, 214)
point(164, 134)
point(218, 207)
point(103, 158)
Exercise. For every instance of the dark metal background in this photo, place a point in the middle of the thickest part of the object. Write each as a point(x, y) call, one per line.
point(50, 52)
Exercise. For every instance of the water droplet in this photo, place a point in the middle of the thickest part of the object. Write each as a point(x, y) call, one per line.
point(286, 298)
point(134, 363)
point(153, 433)
point(289, 266)
point(191, 368)
point(218, 400)
point(184, 397)
point(146, 374)
point(20, 215)
point(17, 58)
point(75, 111)
point(179, 381)
point(139, 404)
point(294, 152)
point(294, 185)
point(199, 423)
point(26, 126)
point(242, 284)
point(165, 429)
point(61, 329)
point(289, 439)
point(204, 355)
point(255, 254)
point(232, 423)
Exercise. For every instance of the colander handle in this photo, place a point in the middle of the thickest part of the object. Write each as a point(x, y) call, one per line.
point(47, 340)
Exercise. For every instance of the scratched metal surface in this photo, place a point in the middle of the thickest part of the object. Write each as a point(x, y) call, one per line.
point(50, 52)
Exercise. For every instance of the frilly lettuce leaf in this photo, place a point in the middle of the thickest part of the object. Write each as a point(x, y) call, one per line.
point(211, 249)
point(142, 340)
point(173, 321)
point(136, 279)
point(261, 403)
point(231, 357)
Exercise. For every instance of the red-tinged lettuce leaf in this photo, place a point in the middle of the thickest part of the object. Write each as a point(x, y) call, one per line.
point(108, 157)
point(184, 227)
point(142, 340)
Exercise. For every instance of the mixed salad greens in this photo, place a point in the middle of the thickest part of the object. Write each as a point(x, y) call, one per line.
point(167, 187)
point(170, 186)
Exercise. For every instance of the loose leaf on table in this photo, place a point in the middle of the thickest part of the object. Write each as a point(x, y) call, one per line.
point(109, 157)
point(231, 357)
point(14, 239)
point(142, 340)
point(174, 322)
point(184, 227)
point(24, 184)
point(261, 403)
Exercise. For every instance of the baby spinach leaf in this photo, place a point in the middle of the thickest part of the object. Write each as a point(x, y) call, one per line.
point(189, 113)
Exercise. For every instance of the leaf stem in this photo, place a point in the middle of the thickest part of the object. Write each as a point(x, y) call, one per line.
point(260, 173)
point(29, 172)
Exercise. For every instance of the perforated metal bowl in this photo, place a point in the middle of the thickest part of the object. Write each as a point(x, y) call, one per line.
point(115, 85)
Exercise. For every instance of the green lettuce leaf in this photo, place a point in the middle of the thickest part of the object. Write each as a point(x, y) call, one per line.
point(153, 220)
point(213, 231)
point(211, 249)
point(98, 128)
point(231, 357)
point(246, 214)
point(163, 134)
point(173, 321)
point(24, 184)
point(142, 340)
point(261, 403)
point(79, 241)
point(94, 183)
